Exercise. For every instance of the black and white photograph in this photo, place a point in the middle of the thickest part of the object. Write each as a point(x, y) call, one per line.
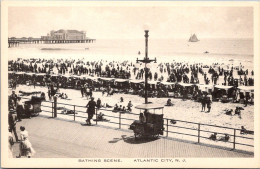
point(129, 84)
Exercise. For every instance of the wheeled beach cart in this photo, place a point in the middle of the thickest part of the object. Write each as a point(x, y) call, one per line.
point(153, 124)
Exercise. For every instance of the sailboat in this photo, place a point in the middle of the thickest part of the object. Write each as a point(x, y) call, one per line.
point(193, 38)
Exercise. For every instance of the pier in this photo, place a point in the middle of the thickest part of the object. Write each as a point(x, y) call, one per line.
point(14, 42)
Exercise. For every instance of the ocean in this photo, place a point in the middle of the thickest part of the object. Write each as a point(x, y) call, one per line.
point(228, 51)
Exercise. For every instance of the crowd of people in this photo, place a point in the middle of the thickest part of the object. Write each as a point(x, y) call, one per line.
point(183, 81)
point(171, 72)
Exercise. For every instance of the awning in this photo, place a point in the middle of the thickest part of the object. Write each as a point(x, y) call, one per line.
point(136, 81)
point(153, 82)
point(40, 74)
point(223, 87)
point(185, 84)
point(54, 75)
point(76, 76)
point(68, 76)
point(246, 88)
point(20, 73)
point(30, 74)
point(107, 79)
point(121, 80)
point(149, 106)
point(167, 83)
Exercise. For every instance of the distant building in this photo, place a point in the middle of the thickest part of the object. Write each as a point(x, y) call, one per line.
point(65, 35)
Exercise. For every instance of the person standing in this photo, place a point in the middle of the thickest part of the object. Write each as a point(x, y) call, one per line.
point(203, 103)
point(209, 101)
point(91, 110)
point(14, 97)
point(26, 148)
point(82, 88)
point(19, 109)
point(12, 119)
point(98, 103)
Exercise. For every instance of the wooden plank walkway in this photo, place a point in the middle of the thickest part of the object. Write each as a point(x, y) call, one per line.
point(56, 138)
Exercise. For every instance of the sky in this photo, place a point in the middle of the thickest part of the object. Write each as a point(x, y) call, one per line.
point(130, 22)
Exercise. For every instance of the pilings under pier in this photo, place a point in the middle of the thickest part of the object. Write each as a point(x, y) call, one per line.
point(15, 43)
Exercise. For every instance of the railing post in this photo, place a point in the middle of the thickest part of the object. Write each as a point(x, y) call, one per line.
point(234, 142)
point(74, 113)
point(167, 128)
point(119, 120)
point(96, 115)
point(52, 109)
point(199, 133)
point(55, 106)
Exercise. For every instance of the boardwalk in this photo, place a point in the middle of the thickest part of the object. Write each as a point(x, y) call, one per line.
point(55, 138)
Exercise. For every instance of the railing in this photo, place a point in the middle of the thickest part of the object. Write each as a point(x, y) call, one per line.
point(171, 126)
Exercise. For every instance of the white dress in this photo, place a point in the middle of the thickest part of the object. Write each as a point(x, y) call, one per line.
point(26, 148)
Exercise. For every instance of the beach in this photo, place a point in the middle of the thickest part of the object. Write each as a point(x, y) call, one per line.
point(222, 53)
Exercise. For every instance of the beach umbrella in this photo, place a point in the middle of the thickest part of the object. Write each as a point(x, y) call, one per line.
point(246, 88)
point(40, 74)
point(20, 73)
point(107, 79)
point(121, 80)
point(136, 81)
point(153, 82)
point(30, 74)
point(223, 87)
point(185, 84)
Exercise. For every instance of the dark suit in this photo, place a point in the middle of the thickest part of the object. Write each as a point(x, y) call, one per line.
point(12, 118)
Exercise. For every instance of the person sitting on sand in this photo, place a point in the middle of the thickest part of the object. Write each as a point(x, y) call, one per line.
point(107, 105)
point(116, 108)
point(173, 121)
point(129, 105)
point(243, 130)
point(169, 103)
point(238, 111)
point(100, 117)
point(120, 108)
point(225, 138)
point(123, 109)
point(228, 111)
point(63, 95)
point(213, 137)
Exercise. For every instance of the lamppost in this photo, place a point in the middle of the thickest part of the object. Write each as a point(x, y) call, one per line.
point(145, 61)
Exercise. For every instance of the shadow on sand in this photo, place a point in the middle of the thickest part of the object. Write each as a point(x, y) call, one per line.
point(133, 140)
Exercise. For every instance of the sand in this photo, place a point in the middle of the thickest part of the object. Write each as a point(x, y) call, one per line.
point(182, 110)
